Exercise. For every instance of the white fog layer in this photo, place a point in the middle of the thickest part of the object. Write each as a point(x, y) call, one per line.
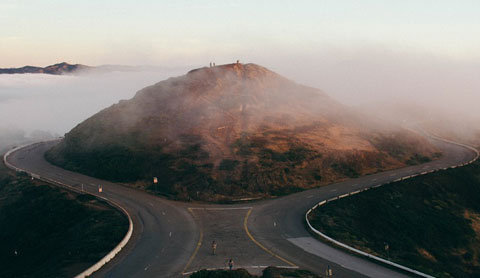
point(58, 103)
point(393, 85)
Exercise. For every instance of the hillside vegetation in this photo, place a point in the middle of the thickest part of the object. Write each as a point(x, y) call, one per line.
point(430, 223)
point(46, 232)
point(233, 131)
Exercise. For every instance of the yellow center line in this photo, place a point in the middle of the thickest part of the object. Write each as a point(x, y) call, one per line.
point(259, 244)
point(199, 243)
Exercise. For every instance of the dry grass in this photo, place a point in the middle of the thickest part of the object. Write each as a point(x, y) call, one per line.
point(286, 137)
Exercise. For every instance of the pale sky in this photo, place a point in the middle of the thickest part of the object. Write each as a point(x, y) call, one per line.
point(187, 32)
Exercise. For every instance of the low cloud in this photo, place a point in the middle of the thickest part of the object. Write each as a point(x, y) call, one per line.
point(395, 85)
point(58, 103)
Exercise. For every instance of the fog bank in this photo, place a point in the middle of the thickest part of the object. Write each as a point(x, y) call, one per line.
point(394, 85)
point(391, 84)
point(56, 104)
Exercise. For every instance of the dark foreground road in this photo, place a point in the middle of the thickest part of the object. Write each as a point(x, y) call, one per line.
point(173, 239)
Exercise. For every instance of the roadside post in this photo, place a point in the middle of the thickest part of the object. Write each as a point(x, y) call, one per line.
point(155, 181)
point(328, 272)
point(387, 248)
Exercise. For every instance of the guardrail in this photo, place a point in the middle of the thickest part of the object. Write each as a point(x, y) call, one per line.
point(117, 248)
point(365, 254)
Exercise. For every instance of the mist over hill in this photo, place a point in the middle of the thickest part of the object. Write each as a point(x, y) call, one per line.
point(231, 131)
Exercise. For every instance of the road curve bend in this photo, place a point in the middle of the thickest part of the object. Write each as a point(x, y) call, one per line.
point(280, 224)
point(172, 239)
point(164, 236)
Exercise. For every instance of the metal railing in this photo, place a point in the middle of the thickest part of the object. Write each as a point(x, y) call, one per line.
point(117, 248)
point(365, 254)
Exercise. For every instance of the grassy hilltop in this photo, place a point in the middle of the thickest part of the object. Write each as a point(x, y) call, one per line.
point(232, 131)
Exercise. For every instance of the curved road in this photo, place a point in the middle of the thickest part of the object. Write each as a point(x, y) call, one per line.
point(172, 239)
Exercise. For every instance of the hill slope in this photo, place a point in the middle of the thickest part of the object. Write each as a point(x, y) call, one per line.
point(57, 69)
point(49, 232)
point(233, 130)
point(430, 223)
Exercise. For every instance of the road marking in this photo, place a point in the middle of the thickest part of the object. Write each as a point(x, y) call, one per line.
point(393, 175)
point(197, 248)
point(311, 196)
point(274, 224)
point(355, 184)
point(245, 226)
point(170, 234)
point(234, 208)
point(333, 190)
point(374, 179)
point(145, 269)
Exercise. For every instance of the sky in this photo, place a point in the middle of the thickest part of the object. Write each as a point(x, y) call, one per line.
point(187, 32)
point(374, 54)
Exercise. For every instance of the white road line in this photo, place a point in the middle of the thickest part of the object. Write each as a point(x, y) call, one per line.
point(355, 184)
point(311, 196)
point(333, 190)
point(240, 266)
point(222, 208)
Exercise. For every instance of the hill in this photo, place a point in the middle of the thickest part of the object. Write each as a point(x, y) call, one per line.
point(49, 232)
point(57, 69)
point(237, 130)
point(73, 69)
point(430, 223)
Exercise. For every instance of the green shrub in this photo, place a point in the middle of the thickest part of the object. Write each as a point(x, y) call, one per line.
point(228, 164)
point(45, 231)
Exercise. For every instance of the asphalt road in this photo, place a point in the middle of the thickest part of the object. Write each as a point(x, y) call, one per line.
point(173, 239)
